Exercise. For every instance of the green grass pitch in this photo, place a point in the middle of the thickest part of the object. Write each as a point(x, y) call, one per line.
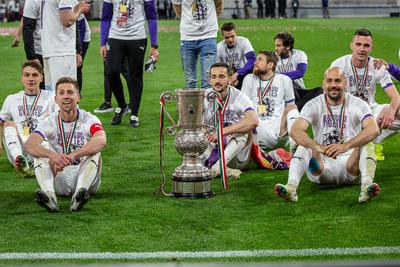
point(126, 217)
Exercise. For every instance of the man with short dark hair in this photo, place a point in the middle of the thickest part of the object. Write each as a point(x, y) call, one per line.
point(239, 120)
point(21, 113)
point(72, 165)
point(237, 52)
point(362, 79)
point(293, 63)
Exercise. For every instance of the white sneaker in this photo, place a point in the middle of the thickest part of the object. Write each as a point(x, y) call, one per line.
point(368, 192)
point(286, 191)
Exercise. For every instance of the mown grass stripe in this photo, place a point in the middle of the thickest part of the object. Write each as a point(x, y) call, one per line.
point(202, 254)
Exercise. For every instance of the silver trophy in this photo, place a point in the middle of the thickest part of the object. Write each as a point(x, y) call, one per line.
point(191, 179)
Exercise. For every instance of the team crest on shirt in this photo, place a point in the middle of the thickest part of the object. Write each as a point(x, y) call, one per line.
point(199, 10)
point(331, 138)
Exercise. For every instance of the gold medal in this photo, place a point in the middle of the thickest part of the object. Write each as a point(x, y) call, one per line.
point(262, 109)
point(123, 9)
point(26, 131)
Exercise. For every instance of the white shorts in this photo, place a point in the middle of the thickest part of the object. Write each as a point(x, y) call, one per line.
point(335, 171)
point(65, 181)
point(56, 67)
point(268, 134)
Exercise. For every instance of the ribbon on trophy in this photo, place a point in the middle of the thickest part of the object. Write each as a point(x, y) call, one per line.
point(219, 117)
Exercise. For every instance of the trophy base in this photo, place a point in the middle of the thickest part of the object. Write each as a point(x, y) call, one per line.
point(195, 187)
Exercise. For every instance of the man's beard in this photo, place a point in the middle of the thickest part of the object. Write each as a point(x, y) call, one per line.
point(259, 72)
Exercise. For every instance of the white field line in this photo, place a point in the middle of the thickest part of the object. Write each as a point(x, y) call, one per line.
point(202, 254)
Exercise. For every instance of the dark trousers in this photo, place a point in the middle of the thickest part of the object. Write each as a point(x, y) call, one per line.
point(282, 8)
point(107, 84)
point(79, 75)
point(260, 9)
point(305, 95)
point(270, 6)
point(133, 51)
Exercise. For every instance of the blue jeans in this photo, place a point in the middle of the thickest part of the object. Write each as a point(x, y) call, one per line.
point(190, 50)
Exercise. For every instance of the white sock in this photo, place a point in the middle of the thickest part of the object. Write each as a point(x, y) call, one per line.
point(233, 147)
point(299, 165)
point(44, 174)
point(385, 133)
point(367, 163)
point(88, 172)
point(12, 142)
point(291, 118)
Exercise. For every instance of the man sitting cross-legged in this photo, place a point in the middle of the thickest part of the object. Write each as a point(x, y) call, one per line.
point(343, 127)
point(21, 113)
point(72, 165)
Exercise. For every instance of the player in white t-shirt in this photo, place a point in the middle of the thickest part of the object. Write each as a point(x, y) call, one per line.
point(343, 127)
point(293, 63)
point(239, 120)
point(362, 79)
point(198, 29)
point(58, 38)
point(237, 52)
point(22, 112)
point(273, 96)
point(72, 165)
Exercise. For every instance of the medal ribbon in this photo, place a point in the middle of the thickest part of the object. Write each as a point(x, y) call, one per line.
point(230, 56)
point(29, 111)
point(285, 67)
point(66, 142)
point(262, 92)
point(342, 115)
point(360, 83)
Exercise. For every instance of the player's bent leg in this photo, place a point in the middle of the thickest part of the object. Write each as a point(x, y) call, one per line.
point(234, 146)
point(88, 182)
point(45, 196)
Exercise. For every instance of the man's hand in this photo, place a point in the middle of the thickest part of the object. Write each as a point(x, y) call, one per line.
point(103, 52)
point(233, 80)
point(385, 118)
point(154, 54)
point(83, 7)
point(15, 42)
point(334, 150)
point(78, 60)
point(59, 161)
point(378, 63)
point(319, 148)
point(213, 138)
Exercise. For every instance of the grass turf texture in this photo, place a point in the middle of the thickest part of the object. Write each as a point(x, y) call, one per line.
point(126, 217)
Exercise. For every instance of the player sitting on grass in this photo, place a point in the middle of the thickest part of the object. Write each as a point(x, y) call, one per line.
point(72, 165)
point(343, 127)
point(21, 113)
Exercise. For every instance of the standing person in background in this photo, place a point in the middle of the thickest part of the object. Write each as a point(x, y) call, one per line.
point(282, 9)
point(84, 34)
point(123, 29)
point(60, 56)
point(247, 8)
point(295, 7)
point(198, 29)
point(270, 6)
point(260, 9)
point(325, 9)
point(3, 9)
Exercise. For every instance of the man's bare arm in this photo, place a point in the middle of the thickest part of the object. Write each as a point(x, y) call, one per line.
point(219, 7)
point(177, 10)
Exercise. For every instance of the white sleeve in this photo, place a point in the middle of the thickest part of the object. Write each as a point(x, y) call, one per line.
point(247, 89)
point(363, 111)
point(220, 52)
point(245, 103)
point(247, 46)
point(65, 4)
point(32, 9)
point(289, 92)
point(384, 77)
point(5, 113)
point(309, 112)
point(43, 127)
point(302, 58)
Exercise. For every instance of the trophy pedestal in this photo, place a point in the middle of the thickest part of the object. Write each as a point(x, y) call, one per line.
point(192, 182)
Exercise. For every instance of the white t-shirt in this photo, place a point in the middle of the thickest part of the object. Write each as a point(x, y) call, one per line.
point(328, 130)
point(274, 96)
point(32, 10)
point(13, 109)
point(50, 130)
point(198, 19)
point(373, 77)
point(290, 64)
point(238, 104)
point(128, 21)
point(234, 57)
point(57, 40)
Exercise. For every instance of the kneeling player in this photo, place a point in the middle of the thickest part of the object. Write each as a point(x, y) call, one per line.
point(343, 127)
point(21, 113)
point(72, 165)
